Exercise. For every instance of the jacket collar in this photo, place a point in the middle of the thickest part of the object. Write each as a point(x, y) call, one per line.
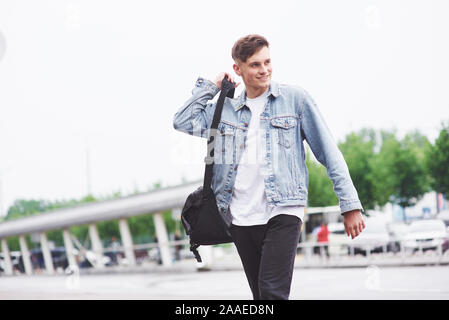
point(273, 90)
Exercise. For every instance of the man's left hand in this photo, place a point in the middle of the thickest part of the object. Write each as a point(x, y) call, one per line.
point(353, 222)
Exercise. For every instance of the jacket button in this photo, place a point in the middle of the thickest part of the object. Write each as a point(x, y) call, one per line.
point(222, 209)
point(246, 124)
point(235, 168)
point(229, 190)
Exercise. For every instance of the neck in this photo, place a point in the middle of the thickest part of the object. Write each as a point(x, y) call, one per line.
point(254, 92)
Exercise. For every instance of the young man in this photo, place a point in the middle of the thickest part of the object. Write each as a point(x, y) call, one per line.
point(260, 178)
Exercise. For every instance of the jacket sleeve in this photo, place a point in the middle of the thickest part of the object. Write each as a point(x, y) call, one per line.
point(195, 116)
point(325, 149)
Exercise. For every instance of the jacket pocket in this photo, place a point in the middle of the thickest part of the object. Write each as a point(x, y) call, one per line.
point(285, 128)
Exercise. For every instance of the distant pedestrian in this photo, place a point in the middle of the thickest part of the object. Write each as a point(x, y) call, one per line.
point(158, 251)
point(323, 239)
point(316, 249)
point(178, 246)
point(115, 245)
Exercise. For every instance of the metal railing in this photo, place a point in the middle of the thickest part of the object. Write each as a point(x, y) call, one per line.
point(380, 252)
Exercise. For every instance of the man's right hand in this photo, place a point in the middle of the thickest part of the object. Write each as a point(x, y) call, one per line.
point(220, 78)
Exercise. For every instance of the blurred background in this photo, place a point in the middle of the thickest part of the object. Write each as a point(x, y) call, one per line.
point(88, 91)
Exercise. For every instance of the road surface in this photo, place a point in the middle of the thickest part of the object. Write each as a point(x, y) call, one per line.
point(360, 283)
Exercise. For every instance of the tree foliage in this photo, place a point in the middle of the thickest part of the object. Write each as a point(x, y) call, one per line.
point(358, 151)
point(320, 191)
point(438, 162)
point(409, 171)
point(385, 169)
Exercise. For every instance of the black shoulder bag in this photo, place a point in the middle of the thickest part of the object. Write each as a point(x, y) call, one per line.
point(200, 217)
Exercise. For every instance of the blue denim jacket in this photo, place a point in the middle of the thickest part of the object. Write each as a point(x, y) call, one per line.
point(290, 116)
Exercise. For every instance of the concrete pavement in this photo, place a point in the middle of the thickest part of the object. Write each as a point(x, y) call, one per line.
point(186, 283)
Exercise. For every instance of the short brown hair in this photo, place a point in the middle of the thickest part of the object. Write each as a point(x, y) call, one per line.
point(246, 46)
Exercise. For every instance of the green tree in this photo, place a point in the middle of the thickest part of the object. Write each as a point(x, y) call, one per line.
point(142, 228)
point(438, 162)
point(81, 232)
point(406, 166)
point(358, 151)
point(19, 209)
point(320, 192)
point(385, 169)
point(107, 230)
point(13, 243)
point(24, 208)
point(382, 165)
point(170, 223)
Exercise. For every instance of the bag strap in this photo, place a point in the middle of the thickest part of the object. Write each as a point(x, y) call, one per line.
point(227, 90)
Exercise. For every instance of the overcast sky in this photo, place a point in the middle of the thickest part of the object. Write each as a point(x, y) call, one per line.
point(108, 76)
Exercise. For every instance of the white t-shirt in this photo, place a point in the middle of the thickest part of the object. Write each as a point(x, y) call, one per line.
point(249, 202)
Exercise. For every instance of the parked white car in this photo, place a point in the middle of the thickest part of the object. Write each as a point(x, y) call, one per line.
point(397, 231)
point(14, 255)
point(426, 235)
point(338, 239)
point(374, 238)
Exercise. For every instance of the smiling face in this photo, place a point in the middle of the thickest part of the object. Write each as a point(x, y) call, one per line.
point(255, 72)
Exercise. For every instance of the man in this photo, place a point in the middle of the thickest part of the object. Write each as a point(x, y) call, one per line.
point(260, 178)
point(323, 239)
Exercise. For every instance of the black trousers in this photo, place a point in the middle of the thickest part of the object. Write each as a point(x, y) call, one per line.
point(268, 255)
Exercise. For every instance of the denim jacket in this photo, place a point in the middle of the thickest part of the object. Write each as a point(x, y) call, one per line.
point(289, 118)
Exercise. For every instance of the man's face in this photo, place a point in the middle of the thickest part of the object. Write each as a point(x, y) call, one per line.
point(256, 71)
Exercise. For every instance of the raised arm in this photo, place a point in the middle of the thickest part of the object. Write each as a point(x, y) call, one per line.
point(195, 116)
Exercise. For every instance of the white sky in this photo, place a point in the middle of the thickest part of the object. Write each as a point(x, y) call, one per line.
point(110, 75)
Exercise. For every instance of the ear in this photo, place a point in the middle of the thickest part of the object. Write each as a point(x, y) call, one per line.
point(237, 69)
